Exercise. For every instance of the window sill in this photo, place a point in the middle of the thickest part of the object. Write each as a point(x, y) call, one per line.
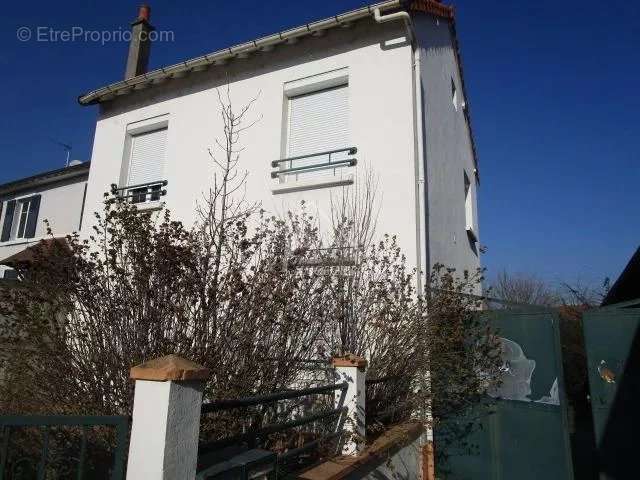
point(149, 206)
point(301, 185)
point(21, 241)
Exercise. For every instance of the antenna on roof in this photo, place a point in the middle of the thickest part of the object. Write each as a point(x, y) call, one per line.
point(67, 148)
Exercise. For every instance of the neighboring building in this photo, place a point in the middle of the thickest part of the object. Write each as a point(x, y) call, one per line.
point(627, 286)
point(385, 79)
point(57, 196)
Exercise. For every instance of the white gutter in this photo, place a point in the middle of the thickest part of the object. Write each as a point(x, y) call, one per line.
point(220, 57)
point(392, 17)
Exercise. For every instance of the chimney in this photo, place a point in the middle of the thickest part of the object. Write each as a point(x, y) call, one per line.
point(140, 45)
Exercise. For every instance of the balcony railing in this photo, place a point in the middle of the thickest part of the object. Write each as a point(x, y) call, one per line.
point(295, 166)
point(142, 192)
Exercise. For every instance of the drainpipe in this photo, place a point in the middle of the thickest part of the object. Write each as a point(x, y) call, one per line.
point(391, 17)
point(422, 209)
point(418, 144)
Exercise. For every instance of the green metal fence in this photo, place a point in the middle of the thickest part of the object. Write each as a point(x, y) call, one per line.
point(524, 434)
point(62, 446)
point(301, 411)
point(612, 342)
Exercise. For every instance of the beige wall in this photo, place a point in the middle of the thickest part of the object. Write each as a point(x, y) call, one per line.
point(61, 204)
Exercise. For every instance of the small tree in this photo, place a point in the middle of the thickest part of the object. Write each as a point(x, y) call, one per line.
point(523, 289)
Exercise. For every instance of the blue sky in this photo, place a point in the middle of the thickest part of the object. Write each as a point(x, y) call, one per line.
point(552, 87)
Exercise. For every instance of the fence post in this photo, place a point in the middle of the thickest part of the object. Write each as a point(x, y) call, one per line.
point(353, 370)
point(166, 419)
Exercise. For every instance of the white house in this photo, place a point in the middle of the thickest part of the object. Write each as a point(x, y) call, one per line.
point(57, 196)
point(380, 87)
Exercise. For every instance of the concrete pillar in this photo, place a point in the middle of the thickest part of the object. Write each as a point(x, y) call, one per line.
point(166, 419)
point(353, 370)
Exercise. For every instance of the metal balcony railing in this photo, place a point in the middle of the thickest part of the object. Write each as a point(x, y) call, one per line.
point(325, 257)
point(292, 164)
point(142, 192)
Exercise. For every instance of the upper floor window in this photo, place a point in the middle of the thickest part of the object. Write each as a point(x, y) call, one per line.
point(454, 94)
point(146, 165)
point(317, 136)
point(469, 209)
point(20, 218)
point(318, 121)
point(142, 176)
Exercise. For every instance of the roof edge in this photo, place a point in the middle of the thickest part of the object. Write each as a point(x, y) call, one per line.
point(434, 7)
point(266, 43)
point(626, 287)
point(467, 109)
point(45, 178)
point(220, 57)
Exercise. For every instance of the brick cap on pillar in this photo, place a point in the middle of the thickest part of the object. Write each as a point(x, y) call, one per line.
point(169, 368)
point(349, 360)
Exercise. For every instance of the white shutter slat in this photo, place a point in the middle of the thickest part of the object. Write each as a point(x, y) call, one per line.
point(148, 157)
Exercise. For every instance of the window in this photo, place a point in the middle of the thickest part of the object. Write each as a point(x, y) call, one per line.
point(10, 274)
point(145, 166)
point(20, 218)
point(317, 123)
point(24, 212)
point(469, 208)
point(454, 94)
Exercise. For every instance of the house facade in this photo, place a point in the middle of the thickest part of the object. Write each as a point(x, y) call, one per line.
point(375, 91)
point(57, 196)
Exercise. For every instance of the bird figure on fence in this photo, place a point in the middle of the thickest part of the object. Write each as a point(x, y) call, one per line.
point(606, 373)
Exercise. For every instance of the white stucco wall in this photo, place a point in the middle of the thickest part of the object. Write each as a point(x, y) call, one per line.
point(378, 61)
point(380, 118)
point(61, 204)
point(448, 150)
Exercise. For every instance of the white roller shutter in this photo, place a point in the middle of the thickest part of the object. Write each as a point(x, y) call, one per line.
point(319, 121)
point(148, 157)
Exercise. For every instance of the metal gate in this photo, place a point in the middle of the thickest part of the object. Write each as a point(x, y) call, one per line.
point(525, 436)
point(612, 341)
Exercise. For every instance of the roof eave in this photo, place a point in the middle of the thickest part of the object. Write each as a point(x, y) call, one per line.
point(219, 57)
point(45, 178)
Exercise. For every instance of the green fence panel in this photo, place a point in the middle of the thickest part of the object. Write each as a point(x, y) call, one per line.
point(526, 436)
point(612, 342)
